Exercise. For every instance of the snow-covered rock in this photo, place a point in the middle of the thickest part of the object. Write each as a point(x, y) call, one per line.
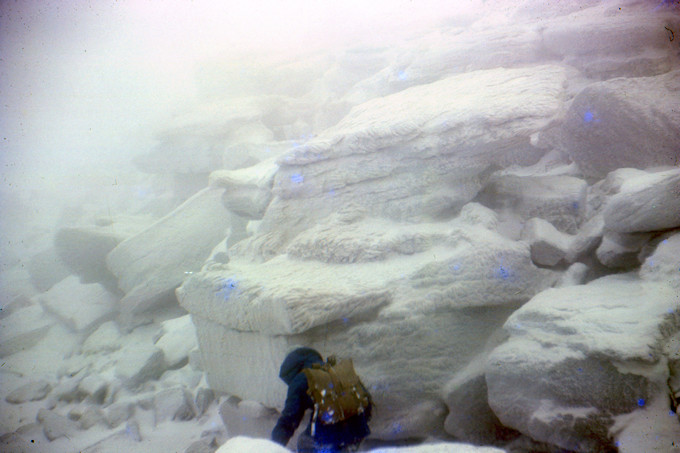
point(548, 245)
point(204, 398)
point(106, 338)
point(247, 191)
point(151, 264)
point(138, 363)
point(412, 275)
point(624, 122)
point(94, 387)
point(646, 203)
point(175, 403)
point(33, 391)
point(574, 275)
point(579, 355)
point(247, 418)
point(469, 416)
point(55, 425)
point(119, 412)
point(84, 248)
point(411, 157)
point(176, 338)
point(79, 307)
point(558, 199)
point(23, 329)
point(620, 250)
point(46, 269)
point(587, 239)
point(662, 266)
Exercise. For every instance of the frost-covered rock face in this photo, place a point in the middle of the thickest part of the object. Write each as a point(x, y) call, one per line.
point(625, 122)
point(395, 297)
point(580, 355)
point(151, 264)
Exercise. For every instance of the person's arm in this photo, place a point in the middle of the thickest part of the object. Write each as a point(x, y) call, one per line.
point(292, 413)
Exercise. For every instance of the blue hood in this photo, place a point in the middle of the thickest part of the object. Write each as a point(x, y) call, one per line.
point(296, 361)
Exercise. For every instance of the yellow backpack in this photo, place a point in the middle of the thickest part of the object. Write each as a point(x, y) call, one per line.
point(336, 390)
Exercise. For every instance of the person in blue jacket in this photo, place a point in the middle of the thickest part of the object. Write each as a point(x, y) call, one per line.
point(344, 436)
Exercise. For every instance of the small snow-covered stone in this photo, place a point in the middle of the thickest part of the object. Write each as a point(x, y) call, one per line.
point(33, 391)
point(548, 245)
point(587, 239)
point(15, 443)
point(249, 190)
point(647, 203)
point(119, 412)
point(247, 418)
point(203, 446)
point(105, 339)
point(140, 363)
point(55, 425)
point(174, 404)
point(204, 397)
point(176, 339)
point(94, 387)
point(662, 265)
point(90, 417)
point(557, 199)
point(575, 275)
point(186, 377)
point(620, 250)
point(23, 329)
point(67, 389)
point(77, 306)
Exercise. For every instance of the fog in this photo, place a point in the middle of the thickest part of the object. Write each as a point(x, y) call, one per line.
point(463, 196)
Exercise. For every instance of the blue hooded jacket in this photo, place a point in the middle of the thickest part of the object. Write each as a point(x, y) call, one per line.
point(298, 401)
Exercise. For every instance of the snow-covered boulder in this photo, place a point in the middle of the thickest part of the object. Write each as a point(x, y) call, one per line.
point(247, 191)
point(33, 391)
point(55, 425)
point(83, 248)
point(381, 292)
point(580, 355)
point(548, 245)
point(662, 265)
point(469, 416)
point(624, 122)
point(79, 307)
point(138, 363)
point(411, 157)
point(175, 403)
point(105, 338)
point(23, 329)
point(151, 264)
point(176, 338)
point(649, 202)
point(46, 269)
point(630, 40)
point(620, 251)
point(557, 199)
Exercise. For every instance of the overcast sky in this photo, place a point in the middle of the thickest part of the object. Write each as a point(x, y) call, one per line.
point(81, 81)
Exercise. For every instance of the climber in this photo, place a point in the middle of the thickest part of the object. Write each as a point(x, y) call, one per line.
point(340, 404)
